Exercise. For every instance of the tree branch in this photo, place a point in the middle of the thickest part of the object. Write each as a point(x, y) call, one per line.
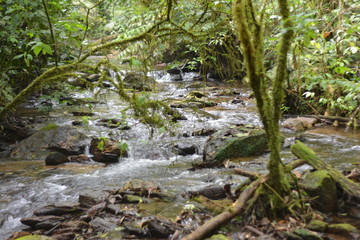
point(51, 32)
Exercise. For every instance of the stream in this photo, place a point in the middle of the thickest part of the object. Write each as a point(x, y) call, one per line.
point(27, 185)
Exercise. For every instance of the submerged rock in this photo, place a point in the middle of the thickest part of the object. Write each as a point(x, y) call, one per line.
point(234, 142)
point(64, 139)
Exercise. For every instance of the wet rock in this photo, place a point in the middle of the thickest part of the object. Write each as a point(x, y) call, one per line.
point(195, 94)
point(102, 225)
point(93, 77)
point(83, 114)
point(299, 123)
point(106, 150)
point(91, 198)
point(42, 222)
point(176, 77)
point(203, 132)
point(184, 149)
point(57, 210)
point(114, 208)
point(343, 229)
point(160, 229)
point(174, 70)
point(82, 158)
point(234, 142)
point(322, 188)
point(317, 225)
point(176, 116)
point(306, 234)
point(139, 81)
point(56, 158)
point(141, 187)
point(77, 123)
point(214, 192)
point(64, 139)
point(238, 100)
point(113, 123)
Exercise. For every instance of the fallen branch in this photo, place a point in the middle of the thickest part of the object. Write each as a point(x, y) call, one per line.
point(246, 173)
point(240, 204)
point(304, 152)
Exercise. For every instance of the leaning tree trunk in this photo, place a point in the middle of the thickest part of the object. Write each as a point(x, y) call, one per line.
point(250, 32)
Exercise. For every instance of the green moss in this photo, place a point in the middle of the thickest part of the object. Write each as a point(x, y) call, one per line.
point(243, 146)
point(133, 199)
point(317, 225)
point(50, 127)
point(218, 237)
point(306, 234)
point(342, 228)
point(35, 237)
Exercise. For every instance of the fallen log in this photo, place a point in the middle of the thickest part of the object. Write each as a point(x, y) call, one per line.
point(307, 154)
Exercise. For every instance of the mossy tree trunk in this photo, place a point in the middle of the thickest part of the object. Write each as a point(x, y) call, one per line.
point(249, 28)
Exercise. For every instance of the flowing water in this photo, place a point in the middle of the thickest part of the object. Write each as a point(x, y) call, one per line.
point(27, 185)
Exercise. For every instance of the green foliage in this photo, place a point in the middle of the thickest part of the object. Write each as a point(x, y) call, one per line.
point(101, 143)
point(325, 58)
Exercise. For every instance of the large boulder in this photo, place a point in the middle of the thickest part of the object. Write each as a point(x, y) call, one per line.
point(64, 139)
point(322, 189)
point(234, 142)
point(299, 123)
point(139, 81)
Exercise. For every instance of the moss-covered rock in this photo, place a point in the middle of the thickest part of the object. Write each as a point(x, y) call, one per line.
point(306, 234)
point(234, 142)
point(317, 225)
point(322, 188)
point(342, 228)
point(218, 237)
point(139, 81)
point(133, 199)
point(35, 237)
